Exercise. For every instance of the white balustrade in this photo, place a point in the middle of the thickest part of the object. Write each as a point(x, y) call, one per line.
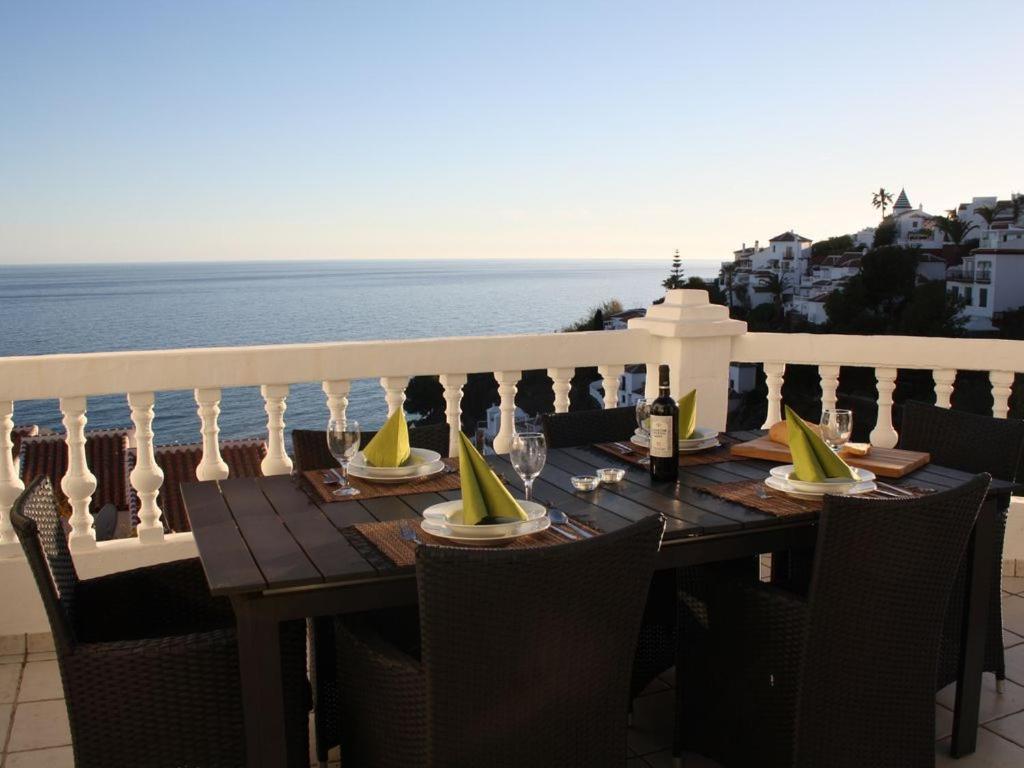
point(337, 398)
point(1002, 382)
point(944, 380)
point(774, 374)
point(610, 382)
point(829, 377)
point(146, 477)
point(453, 384)
point(211, 466)
point(11, 485)
point(277, 461)
point(507, 381)
point(884, 435)
point(561, 379)
point(394, 391)
point(78, 482)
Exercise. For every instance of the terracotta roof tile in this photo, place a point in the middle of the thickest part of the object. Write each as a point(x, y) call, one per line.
point(105, 451)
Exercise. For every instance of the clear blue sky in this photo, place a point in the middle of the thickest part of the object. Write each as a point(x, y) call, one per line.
point(252, 130)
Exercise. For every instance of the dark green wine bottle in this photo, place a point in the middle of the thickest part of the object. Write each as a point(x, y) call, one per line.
point(664, 465)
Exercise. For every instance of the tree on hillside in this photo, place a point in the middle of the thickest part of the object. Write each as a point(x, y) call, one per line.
point(675, 277)
point(955, 229)
point(595, 317)
point(1016, 206)
point(989, 212)
point(881, 199)
point(831, 247)
point(885, 234)
point(728, 273)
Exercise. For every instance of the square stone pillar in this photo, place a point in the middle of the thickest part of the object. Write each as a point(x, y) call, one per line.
point(694, 337)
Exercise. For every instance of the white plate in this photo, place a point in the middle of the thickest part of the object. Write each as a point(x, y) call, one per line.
point(703, 435)
point(445, 514)
point(700, 447)
point(835, 485)
point(422, 471)
point(443, 531)
point(685, 446)
point(780, 484)
point(407, 470)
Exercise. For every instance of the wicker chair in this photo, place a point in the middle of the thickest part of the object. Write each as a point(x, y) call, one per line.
point(564, 430)
point(971, 443)
point(846, 676)
point(520, 665)
point(148, 659)
point(309, 447)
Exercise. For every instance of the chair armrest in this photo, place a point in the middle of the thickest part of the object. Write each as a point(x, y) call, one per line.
point(155, 601)
point(367, 642)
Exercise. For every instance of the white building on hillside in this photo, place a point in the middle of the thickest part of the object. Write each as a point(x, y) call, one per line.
point(759, 273)
point(914, 228)
point(991, 279)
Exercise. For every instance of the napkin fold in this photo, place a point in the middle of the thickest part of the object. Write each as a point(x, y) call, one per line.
point(813, 461)
point(688, 415)
point(483, 493)
point(390, 446)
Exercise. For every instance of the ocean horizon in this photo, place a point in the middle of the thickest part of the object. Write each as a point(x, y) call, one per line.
point(69, 308)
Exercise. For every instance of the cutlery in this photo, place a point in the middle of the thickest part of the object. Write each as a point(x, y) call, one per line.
point(895, 490)
point(408, 533)
point(558, 517)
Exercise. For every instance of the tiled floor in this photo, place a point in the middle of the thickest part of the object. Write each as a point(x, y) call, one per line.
point(34, 725)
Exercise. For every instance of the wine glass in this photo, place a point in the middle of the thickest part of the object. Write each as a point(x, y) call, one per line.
point(643, 414)
point(836, 427)
point(343, 443)
point(528, 454)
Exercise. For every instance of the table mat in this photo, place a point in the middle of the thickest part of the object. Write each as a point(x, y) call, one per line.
point(638, 455)
point(443, 481)
point(756, 495)
point(383, 546)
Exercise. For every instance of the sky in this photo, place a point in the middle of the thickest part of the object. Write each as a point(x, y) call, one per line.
point(220, 130)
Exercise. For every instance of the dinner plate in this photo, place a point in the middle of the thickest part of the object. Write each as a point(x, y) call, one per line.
point(445, 513)
point(780, 484)
point(423, 471)
point(444, 531)
point(708, 440)
point(407, 470)
point(703, 435)
point(835, 485)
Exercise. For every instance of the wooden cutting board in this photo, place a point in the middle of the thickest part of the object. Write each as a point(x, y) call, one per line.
point(885, 462)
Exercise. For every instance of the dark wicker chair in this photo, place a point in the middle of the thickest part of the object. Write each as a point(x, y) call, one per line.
point(309, 447)
point(972, 443)
point(520, 665)
point(148, 659)
point(845, 677)
point(564, 430)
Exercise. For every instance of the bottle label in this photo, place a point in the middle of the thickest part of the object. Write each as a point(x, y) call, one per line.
point(661, 436)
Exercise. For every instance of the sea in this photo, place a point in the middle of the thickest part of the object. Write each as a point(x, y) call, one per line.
point(105, 307)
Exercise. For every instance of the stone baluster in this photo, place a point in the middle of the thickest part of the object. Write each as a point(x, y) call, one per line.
point(829, 377)
point(774, 374)
point(394, 391)
point(146, 477)
point(944, 378)
point(212, 466)
point(610, 381)
point(561, 384)
point(884, 435)
point(11, 485)
point(507, 381)
point(453, 384)
point(78, 482)
point(1002, 383)
point(337, 397)
point(277, 461)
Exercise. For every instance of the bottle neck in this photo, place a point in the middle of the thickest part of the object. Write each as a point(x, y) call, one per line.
point(664, 390)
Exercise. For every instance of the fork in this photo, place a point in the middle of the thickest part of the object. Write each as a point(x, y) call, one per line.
point(408, 533)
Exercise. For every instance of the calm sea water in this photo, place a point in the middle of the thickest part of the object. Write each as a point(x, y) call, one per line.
point(45, 310)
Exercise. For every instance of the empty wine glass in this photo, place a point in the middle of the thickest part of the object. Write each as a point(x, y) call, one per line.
point(529, 453)
point(836, 427)
point(343, 442)
point(643, 414)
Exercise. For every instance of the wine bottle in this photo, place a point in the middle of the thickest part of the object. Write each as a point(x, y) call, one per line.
point(664, 432)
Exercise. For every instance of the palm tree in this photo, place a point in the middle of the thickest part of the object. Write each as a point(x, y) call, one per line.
point(881, 199)
point(728, 270)
point(989, 212)
point(954, 229)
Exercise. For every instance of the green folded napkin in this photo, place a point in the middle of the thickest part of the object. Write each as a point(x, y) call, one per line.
point(483, 493)
point(390, 446)
point(688, 415)
point(813, 461)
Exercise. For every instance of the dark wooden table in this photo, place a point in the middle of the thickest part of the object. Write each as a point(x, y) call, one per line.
point(279, 554)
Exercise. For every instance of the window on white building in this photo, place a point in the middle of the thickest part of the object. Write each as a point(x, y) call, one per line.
point(983, 297)
point(968, 295)
point(955, 291)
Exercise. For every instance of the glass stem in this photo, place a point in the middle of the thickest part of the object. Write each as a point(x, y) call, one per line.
point(528, 489)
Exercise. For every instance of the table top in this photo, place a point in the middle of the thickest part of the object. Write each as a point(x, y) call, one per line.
point(270, 533)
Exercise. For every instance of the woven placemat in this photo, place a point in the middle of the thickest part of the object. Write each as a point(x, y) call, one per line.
point(637, 455)
point(443, 481)
point(383, 546)
point(756, 495)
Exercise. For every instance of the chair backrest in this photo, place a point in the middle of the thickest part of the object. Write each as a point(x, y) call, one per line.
point(38, 525)
point(309, 446)
point(883, 573)
point(964, 440)
point(524, 664)
point(564, 430)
